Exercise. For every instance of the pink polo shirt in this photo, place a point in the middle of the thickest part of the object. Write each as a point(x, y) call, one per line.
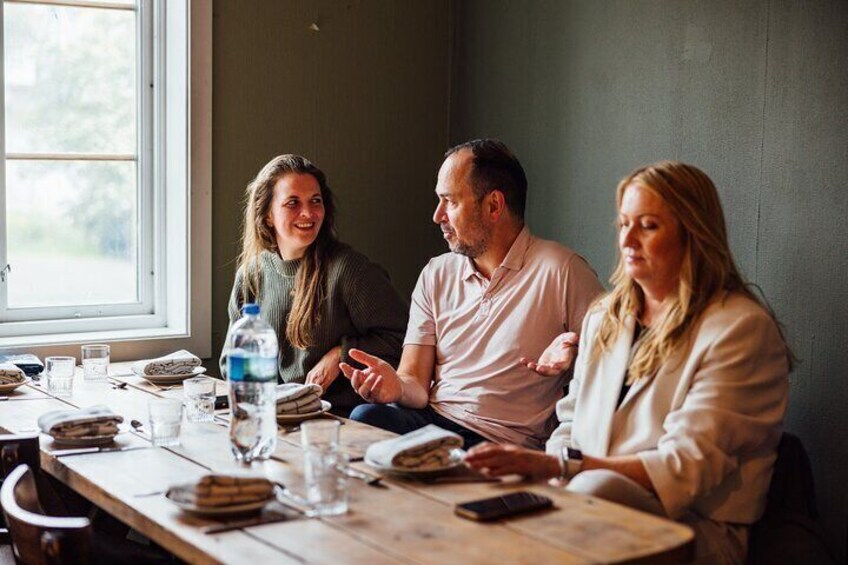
point(481, 328)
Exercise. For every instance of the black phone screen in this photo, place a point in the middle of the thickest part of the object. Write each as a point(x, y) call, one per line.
point(222, 401)
point(503, 506)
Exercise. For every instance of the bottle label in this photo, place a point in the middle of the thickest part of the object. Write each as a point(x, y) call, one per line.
point(251, 368)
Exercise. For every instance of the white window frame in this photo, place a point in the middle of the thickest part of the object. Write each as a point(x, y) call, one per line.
point(180, 203)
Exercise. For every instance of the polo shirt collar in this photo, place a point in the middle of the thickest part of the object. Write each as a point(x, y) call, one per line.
point(514, 259)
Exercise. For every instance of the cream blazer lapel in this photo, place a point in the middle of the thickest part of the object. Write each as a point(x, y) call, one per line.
point(603, 396)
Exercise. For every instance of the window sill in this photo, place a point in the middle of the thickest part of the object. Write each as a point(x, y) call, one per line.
point(91, 337)
point(126, 345)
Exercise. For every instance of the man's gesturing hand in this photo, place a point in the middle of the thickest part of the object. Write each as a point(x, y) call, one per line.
point(557, 357)
point(377, 383)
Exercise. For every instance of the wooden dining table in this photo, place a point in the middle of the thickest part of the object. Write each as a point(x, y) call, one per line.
point(398, 520)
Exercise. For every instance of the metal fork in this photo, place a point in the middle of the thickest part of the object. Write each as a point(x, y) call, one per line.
point(369, 480)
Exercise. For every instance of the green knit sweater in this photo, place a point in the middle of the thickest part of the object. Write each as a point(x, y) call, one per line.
point(362, 310)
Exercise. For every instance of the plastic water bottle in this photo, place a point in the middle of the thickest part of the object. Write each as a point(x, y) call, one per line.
point(252, 375)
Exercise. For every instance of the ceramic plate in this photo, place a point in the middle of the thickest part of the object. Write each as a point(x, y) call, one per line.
point(170, 379)
point(456, 458)
point(9, 387)
point(288, 418)
point(85, 441)
point(250, 507)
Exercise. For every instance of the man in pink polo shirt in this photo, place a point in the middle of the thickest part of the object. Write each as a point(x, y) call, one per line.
point(480, 313)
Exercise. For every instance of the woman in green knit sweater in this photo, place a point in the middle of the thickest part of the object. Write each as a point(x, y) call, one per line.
point(322, 297)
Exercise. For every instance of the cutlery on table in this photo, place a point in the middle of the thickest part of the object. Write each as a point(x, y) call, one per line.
point(86, 450)
point(461, 479)
point(137, 428)
point(369, 480)
point(248, 522)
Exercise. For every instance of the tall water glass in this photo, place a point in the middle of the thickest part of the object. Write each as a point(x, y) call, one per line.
point(165, 414)
point(60, 375)
point(95, 362)
point(325, 468)
point(199, 399)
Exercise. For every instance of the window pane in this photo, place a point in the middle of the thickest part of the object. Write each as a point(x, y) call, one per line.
point(72, 229)
point(70, 79)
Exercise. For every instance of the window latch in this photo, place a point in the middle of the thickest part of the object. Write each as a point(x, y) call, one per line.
point(7, 269)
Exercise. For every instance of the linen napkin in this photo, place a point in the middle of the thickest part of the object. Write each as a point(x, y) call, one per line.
point(176, 363)
point(294, 398)
point(10, 374)
point(220, 490)
point(96, 420)
point(425, 449)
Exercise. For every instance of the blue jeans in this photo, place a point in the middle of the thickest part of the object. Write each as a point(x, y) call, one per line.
point(404, 420)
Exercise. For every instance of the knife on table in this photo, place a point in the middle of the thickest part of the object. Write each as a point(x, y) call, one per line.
point(85, 450)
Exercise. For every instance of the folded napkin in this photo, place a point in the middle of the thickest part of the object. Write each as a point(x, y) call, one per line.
point(176, 363)
point(10, 374)
point(217, 490)
point(293, 398)
point(425, 449)
point(92, 421)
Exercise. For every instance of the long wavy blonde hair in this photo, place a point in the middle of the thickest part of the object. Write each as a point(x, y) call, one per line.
point(258, 236)
point(707, 269)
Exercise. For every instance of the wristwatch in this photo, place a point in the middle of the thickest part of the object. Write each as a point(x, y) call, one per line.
point(570, 462)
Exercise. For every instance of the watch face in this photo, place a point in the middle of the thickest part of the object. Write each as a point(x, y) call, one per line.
point(575, 454)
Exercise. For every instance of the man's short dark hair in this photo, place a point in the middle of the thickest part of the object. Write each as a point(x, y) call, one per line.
point(494, 167)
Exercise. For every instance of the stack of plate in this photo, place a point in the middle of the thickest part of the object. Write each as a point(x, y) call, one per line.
point(169, 379)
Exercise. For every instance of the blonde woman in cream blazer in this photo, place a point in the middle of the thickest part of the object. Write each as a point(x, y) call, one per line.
point(680, 385)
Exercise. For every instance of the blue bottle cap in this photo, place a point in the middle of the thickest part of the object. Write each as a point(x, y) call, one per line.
point(250, 309)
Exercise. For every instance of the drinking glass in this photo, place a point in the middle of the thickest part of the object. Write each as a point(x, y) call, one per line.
point(325, 472)
point(60, 375)
point(165, 414)
point(325, 468)
point(95, 362)
point(199, 399)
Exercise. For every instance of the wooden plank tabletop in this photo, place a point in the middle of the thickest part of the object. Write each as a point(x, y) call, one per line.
point(401, 521)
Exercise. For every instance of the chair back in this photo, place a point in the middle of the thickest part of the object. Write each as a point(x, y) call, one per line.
point(37, 538)
point(18, 449)
point(788, 531)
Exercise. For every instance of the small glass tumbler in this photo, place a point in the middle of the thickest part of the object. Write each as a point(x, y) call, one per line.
point(199, 399)
point(165, 415)
point(95, 362)
point(325, 473)
point(60, 375)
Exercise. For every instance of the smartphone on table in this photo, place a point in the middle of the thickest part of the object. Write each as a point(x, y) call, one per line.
point(498, 507)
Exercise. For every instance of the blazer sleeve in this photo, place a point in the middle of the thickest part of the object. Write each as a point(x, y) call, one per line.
point(733, 410)
point(565, 407)
point(378, 313)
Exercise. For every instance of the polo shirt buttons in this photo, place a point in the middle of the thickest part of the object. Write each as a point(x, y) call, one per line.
point(485, 305)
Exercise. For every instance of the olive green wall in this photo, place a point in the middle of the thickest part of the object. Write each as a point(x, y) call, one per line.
point(365, 97)
point(753, 92)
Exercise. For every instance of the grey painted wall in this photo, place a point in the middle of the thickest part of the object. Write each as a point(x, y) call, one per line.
point(753, 92)
point(365, 97)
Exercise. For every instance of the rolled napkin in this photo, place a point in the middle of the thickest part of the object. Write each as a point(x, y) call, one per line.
point(219, 490)
point(11, 374)
point(176, 363)
point(294, 398)
point(425, 449)
point(93, 421)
